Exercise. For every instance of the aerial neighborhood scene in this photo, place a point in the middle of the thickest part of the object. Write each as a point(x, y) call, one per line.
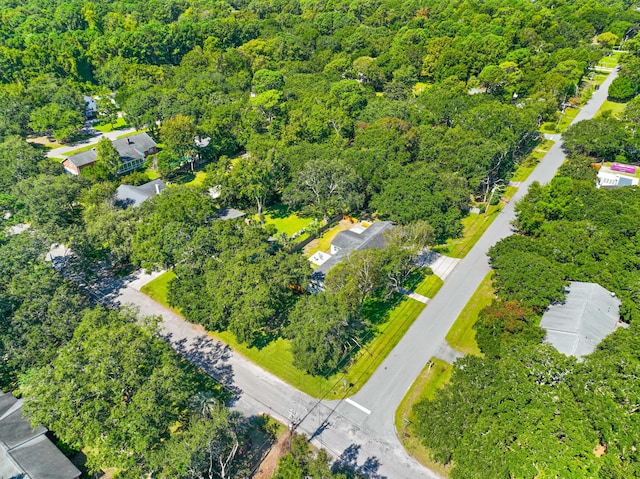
point(333, 239)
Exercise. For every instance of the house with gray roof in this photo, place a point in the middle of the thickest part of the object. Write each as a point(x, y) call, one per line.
point(129, 195)
point(26, 452)
point(346, 242)
point(588, 314)
point(133, 150)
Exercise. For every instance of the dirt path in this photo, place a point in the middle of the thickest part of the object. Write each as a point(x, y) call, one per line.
point(268, 466)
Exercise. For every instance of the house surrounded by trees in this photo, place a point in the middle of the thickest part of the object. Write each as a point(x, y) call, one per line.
point(357, 238)
point(133, 150)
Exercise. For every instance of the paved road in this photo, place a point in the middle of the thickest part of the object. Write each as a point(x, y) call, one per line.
point(63, 150)
point(358, 430)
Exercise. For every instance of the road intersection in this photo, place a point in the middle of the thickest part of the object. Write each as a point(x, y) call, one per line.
point(358, 430)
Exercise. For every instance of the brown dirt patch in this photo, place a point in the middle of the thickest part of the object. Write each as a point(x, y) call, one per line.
point(599, 450)
point(267, 467)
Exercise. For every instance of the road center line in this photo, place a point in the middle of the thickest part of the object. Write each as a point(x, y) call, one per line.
point(355, 404)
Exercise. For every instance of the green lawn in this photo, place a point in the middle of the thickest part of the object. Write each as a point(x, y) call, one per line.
point(565, 120)
point(528, 164)
point(434, 376)
point(429, 286)
point(610, 61)
point(324, 242)
point(391, 325)
point(473, 227)
point(107, 127)
point(462, 336)
point(614, 107)
point(284, 220)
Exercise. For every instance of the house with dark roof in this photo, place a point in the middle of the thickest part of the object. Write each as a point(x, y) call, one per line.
point(357, 238)
point(26, 452)
point(588, 314)
point(133, 150)
point(129, 195)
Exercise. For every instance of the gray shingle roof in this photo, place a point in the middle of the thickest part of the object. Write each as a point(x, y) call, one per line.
point(229, 213)
point(348, 241)
point(133, 149)
point(129, 195)
point(26, 452)
point(588, 314)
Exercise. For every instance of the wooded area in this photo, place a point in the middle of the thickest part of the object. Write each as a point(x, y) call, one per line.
point(385, 109)
point(523, 408)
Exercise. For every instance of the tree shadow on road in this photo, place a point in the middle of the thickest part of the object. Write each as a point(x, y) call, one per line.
point(347, 464)
point(210, 356)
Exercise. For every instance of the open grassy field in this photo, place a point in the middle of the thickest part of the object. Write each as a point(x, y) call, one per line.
point(562, 124)
point(392, 319)
point(462, 336)
point(435, 375)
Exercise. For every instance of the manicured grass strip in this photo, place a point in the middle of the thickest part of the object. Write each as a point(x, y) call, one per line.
point(429, 286)
point(276, 357)
point(614, 107)
point(528, 164)
point(474, 225)
point(462, 336)
point(124, 135)
point(434, 376)
point(80, 150)
point(389, 334)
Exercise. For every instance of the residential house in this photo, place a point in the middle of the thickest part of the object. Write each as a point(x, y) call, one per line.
point(26, 452)
point(588, 314)
point(616, 175)
point(129, 195)
point(358, 238)
point(133, 150)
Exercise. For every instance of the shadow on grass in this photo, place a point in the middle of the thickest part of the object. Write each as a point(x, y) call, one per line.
point(278, 211)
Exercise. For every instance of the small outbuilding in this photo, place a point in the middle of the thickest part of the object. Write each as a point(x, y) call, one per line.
point(588, 314)
point(26, 452)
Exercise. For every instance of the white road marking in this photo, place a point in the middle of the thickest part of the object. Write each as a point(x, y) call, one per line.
point(355, 404)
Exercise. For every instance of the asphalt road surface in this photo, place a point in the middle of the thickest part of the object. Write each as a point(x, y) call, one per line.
point(359, 430)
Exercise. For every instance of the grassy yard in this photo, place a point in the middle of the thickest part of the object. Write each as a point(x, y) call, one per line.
point(610, 61)
point(107, 127)
point(324, 242)
point(462, 336)
point(284, 220)
point(613, 107)
point(435, 375)
point(392, 320)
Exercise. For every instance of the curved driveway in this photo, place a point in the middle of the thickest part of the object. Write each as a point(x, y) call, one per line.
point(359, 431)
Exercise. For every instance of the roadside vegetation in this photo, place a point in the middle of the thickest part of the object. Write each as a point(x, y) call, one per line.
point(295, 113)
